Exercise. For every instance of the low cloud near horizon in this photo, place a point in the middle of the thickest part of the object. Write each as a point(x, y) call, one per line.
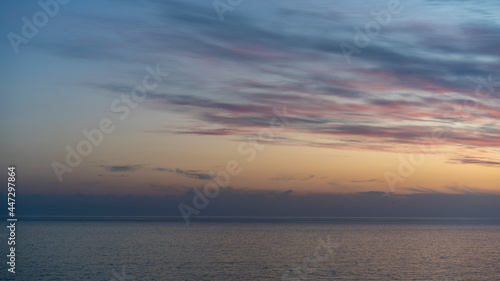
point(231, 202)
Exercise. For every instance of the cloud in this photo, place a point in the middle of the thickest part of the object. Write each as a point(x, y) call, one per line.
point(414, 79)
point(362, 181)
point(209, 132)
point(234, 202)
point(466, 190)
point(193, 174)
point(419, 189)
point(121, 168)
point(287, 177)
point(477, 161)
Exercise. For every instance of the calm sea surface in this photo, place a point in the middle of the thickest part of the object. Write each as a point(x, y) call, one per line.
point(363, 249)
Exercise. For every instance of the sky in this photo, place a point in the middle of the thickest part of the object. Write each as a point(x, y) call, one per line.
point(300, 98)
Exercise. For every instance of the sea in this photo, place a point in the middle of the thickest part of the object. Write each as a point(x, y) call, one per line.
point(162, 248)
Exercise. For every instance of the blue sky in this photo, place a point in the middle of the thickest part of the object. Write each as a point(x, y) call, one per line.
point(347, 118)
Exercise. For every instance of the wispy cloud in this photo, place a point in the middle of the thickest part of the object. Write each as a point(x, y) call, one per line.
point(233, 202)
point(466, 190)
point(193, 174)
point(363, 181)
point(121, 168)
point(477, 161)
point(398, 90)
point(420, 189)
point(287, 177)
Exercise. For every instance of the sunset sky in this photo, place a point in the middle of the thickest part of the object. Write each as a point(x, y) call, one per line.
point(342, 112)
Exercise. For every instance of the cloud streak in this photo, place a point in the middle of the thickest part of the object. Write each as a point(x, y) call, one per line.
point(121, 168)
point(419, 75)
point(287, 177)
point(476, 161)
point(193, 174)
point(232, 202)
